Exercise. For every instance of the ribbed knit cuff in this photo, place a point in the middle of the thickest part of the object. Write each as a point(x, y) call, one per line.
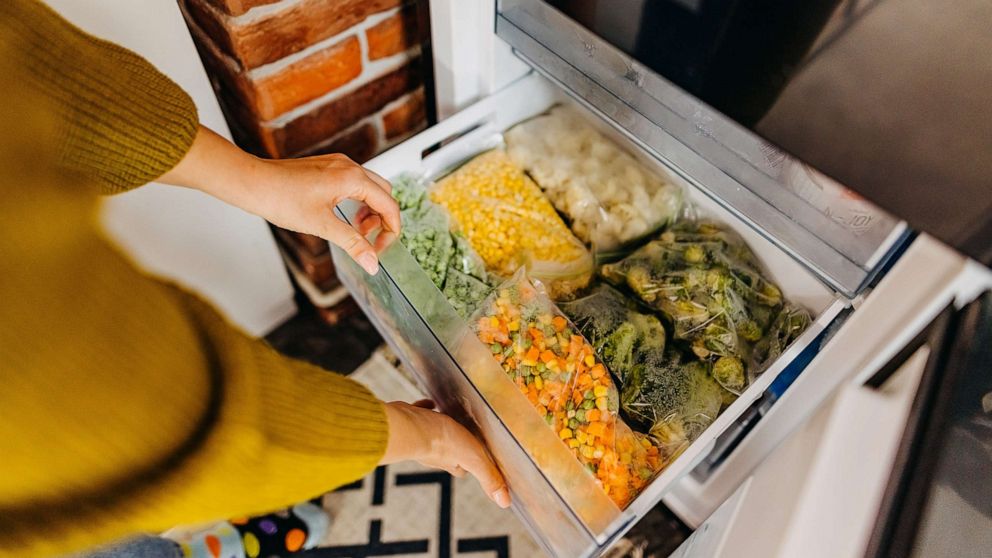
point(322, 413)
point(124, 123)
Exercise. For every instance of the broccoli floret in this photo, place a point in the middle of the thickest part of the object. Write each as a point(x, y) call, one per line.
point(728, 371)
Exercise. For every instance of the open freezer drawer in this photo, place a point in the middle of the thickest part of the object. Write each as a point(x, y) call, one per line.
point(552, 494)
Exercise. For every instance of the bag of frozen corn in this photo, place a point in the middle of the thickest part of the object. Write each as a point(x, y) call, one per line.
point(707, 283)
point(559, 373)
point(672, 398)
point(609, 198)
point(509, 222)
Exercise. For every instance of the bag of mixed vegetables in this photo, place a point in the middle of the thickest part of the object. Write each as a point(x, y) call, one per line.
point(557, 370)
point(609, 198)
point(509, 223)
point(661, 393)
point(707, 283)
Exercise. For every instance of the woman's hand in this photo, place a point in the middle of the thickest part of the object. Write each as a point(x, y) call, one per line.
point(295, 194)
point(417, 433)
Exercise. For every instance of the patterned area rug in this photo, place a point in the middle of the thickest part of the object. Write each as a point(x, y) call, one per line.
point(406, 510)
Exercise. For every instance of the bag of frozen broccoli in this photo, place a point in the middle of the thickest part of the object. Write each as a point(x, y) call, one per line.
point(710, 287)
point(788, 325)
point(509, 223)
point(675, 398)
point(608, 197)
point(556, 369)
point(660, 392)
point(621, 335)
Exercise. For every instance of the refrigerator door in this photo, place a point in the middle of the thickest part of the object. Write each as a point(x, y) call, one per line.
point(568, 513)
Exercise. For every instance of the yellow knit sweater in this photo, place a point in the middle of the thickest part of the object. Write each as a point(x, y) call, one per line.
point(127, 404)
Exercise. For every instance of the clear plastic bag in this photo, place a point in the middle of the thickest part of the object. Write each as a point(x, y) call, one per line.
point(609, 198)
point(509, 223)
point(557, 370)
point(410, 192)
point(672, 398)
point(446, 257)
point(622, 336)
point(788, 325)
point(465, 292)
point(425, 233)
point(709, 286)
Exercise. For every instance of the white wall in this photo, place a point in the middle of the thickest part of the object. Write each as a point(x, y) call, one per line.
point(223, 253)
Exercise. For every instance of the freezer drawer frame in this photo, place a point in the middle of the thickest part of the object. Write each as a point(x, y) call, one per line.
point(729, 161)
point(438, 347)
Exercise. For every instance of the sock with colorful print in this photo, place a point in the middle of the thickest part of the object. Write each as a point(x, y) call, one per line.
point(298, 528)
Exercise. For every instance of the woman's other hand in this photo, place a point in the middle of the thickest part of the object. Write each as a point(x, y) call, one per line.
point(417, 433)
point(295, 194)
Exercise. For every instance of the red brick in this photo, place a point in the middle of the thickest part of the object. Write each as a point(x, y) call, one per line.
point(309, 78)
point(359, 144)
point(339, 312)
point(273, 37)
point(329, 119)
point(393, 35)
point(405, 118)
point(238, 7)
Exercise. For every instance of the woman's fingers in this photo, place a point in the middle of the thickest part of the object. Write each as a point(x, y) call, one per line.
point(349, 239)
point(382, 182)
point(474, 459)
point(379, 200)
point(424, 404)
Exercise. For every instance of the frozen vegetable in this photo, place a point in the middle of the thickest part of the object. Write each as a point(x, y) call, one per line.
point(622, 336)
point(788, 325)
point(509, 222)
point(446, 257)
point(608, 197)
point(464, 292)
point(672, 398)
point(557, 370)
point(427, 236)
point(409, 192)
point(709, 286)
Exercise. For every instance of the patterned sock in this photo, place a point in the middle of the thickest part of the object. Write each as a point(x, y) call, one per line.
point(299, 528)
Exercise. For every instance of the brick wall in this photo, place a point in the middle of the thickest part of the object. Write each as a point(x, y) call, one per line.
point(301, 77)
point(306, 77)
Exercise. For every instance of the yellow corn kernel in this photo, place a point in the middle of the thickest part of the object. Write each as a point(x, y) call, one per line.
point(602, 404)
point(600, 391)
point(590, 360)
point(565, 433)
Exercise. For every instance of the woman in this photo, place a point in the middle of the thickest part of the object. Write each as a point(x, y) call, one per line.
point(126, 404)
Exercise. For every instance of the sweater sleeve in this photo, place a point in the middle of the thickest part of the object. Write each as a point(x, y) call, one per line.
point(122, 122)
point(129, 405)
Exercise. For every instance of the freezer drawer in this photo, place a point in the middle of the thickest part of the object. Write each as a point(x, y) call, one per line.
point(553, 495)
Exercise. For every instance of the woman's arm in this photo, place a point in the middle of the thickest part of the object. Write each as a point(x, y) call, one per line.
point(127, 404)
point(296, 194)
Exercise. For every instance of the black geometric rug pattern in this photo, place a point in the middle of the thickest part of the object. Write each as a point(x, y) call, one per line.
point(442, 483)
